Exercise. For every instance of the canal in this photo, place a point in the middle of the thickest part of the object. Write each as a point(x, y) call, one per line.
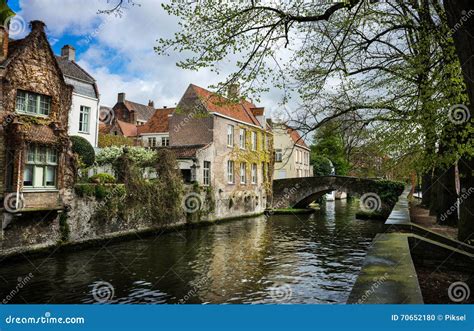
point(283, 258)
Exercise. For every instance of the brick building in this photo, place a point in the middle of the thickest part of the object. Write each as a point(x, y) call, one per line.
point(226, 146)
point(36, 161)
point(132, 112)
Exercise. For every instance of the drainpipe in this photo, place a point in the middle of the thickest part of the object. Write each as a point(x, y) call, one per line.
point(18, 181)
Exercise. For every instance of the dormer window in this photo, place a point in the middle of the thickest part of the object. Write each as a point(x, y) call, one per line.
point(33, 103)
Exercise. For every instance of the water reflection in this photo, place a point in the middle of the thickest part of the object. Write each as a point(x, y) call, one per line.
point(317, 257)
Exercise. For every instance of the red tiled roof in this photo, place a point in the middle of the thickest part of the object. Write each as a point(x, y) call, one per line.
point(295, 136)
point(241, 111)
point(39, 134)
point(158, 123)
point(128, 129)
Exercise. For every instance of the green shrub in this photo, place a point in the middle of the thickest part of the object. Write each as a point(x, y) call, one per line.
point(102, 179)
point(85, 190)
point(84, 150)
point(108, 140)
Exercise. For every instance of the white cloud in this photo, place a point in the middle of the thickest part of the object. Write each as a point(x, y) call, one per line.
point(119, 50)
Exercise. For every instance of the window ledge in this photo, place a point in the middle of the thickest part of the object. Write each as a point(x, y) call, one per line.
point(32, 114)
point(40, 190)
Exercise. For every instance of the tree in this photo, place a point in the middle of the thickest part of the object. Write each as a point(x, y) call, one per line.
point(463, 33)
point(401, 50)
point(328, 143)
point(322, 166)
point(84, 150)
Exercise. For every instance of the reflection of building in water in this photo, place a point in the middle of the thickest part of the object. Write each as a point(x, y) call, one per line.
point(237, 258)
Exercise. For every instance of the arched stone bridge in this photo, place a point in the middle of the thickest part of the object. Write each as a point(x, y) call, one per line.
point(300, 192)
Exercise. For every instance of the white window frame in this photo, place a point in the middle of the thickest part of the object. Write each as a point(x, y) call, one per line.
point(206, 173)
point(278, 155)
point(254, 141)
point(243, 173)
point(40, 159)
point(230, 172)
point(39, 101)
point(151, 141)
point(254, 173)
point(230, 135)
point(84, 119)
point(165, 141)
point(242, 138)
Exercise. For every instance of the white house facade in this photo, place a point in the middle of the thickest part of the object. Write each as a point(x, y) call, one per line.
point(84, 113)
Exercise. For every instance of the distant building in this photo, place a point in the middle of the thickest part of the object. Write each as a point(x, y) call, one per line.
point(155, 132)
point(132, 112)
point(83, 116)
point(292, 155)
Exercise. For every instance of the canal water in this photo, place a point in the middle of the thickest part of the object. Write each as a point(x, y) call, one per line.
point(279, 259)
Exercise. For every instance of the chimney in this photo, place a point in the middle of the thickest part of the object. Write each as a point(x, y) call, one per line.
point(121, 97)
point(37, 26)
point(3, 43)
point(151, 103)
point(259, 113)
point(5, 17)
point(233, 91)
point(68, 52)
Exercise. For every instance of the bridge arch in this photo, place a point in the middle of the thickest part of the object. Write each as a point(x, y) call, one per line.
point(300, 192)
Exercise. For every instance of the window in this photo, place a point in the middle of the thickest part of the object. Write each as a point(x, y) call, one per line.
point(254, 173)
point(242, 138)
point(152, 142)
point(230, 172)
point(254, 140)
point(243, 173)
point(206, 176)
point(33, 103)
point(84, 116)
point(278, 155)
point(264, 176)
point(230, 135)
point(40, 168)
point(165, 141)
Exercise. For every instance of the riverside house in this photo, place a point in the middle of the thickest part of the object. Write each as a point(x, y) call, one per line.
point(83, 117)
point(36, 161)
point(292, 155)
point(226, 147)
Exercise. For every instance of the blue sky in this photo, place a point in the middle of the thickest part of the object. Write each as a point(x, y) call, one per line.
point(118, 51)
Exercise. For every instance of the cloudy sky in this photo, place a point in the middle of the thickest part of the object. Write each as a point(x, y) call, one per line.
point(118, 51)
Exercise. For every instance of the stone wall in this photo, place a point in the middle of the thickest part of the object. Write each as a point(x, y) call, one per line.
point(83, 222)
